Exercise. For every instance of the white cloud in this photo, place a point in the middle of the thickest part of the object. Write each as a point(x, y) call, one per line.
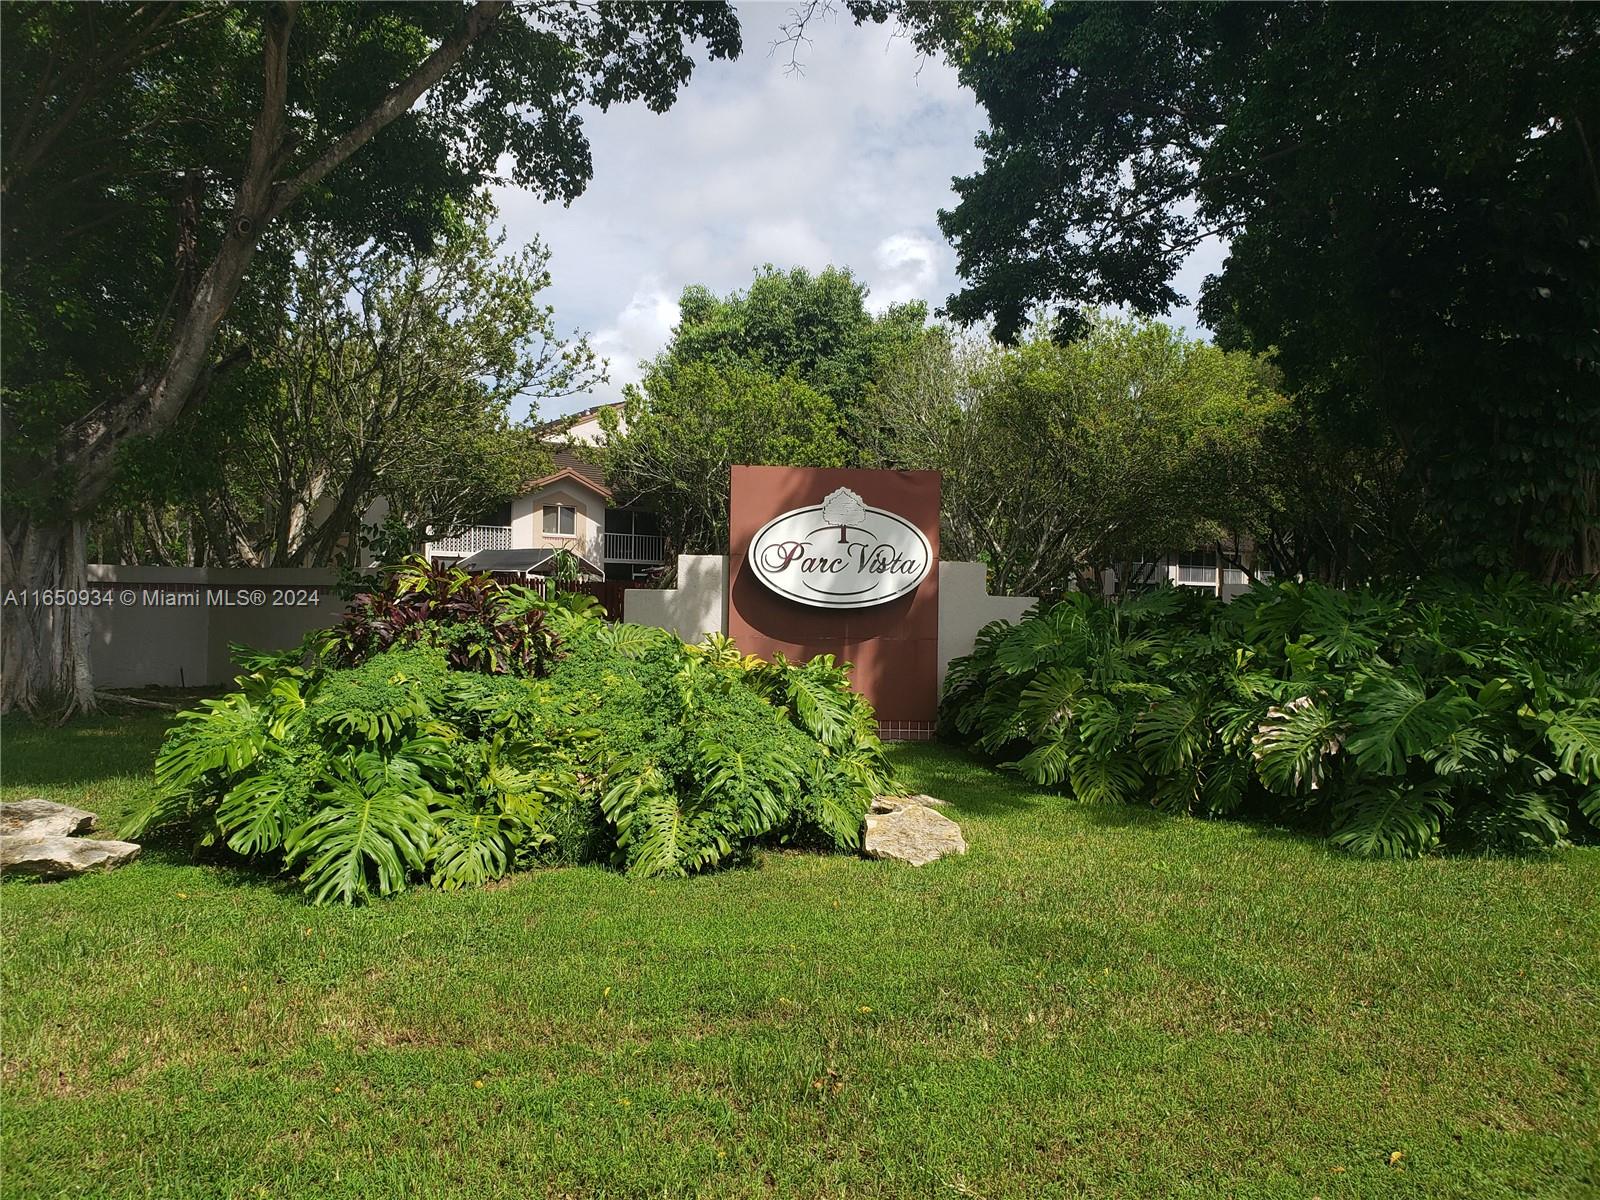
point(846, 164)
point(790, 242)
point(907, 268)
point(640, 329)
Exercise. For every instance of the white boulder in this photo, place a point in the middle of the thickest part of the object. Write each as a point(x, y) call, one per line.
point(912, 833)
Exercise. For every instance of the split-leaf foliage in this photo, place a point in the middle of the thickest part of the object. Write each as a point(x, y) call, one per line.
point(454, 730)
point(1398, 722)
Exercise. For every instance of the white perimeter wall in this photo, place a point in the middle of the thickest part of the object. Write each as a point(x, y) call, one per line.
point(699, 604)
point(167, 626)
point(965, 607)
point(170, 626)
point(696, 607)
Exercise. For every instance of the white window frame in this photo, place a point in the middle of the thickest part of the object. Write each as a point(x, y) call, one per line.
point(558, 515)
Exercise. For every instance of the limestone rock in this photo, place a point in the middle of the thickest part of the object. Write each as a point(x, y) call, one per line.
point(912, 834)
point(889, 804)
point(61, 857)
point(42, 819)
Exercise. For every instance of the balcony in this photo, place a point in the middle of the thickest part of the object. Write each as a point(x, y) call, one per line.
point(647, 548)
point(1196, 576)
point(472, 539)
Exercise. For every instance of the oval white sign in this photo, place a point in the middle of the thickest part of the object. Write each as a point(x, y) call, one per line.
point(840, 554)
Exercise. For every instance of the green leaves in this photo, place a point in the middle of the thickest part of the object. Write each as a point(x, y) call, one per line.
point(370, 832)
point(1574, 735)
point(1293, 745)
point(1107, 778)
point(819, 707)
point(1378, 819)
point(628, 641)
point(1047, 699)
point(1172, 734)
point(474, 847)
point(666, 758)
point(224, 736)
point(648, 820)
point(1046, 763)
point(1394, 720)
point(258, 814)
point(688, 422)
point(1446, 360)
point(1343, 712)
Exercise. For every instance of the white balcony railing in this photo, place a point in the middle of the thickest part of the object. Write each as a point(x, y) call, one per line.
point(635, 548)
point(1197, 576)
point(474, 538)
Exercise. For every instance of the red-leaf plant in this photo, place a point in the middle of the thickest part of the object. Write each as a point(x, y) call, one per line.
point(472, 618)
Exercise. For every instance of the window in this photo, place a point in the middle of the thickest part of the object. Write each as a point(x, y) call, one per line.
point(560, 519)
point(1197, 568)
point(627, 520)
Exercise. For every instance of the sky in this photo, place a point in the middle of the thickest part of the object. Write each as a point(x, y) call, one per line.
point(845, 163)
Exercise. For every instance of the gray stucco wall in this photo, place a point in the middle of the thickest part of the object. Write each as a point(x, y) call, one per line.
point(171, 626)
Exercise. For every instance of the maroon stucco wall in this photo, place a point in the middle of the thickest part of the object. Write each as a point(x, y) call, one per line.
point(894, 646)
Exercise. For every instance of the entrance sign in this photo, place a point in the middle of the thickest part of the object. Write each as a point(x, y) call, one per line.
point(841, 553)
point(840, 561)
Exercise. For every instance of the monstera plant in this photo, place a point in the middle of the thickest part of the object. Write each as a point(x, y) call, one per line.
point(1397, 721)
point(453, 730)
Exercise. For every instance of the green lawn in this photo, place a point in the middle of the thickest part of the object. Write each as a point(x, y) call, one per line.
point(1097, 1002)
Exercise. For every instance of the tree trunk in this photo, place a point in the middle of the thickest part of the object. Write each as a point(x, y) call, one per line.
point(44, 647)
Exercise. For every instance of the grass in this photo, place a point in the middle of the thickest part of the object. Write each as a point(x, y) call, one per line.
point(1097, 1002)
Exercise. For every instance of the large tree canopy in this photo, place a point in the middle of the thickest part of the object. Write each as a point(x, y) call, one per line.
point(1411, 194)
point(151, 151)
point(777, 374)
point(815, 327)
point(376, 374)
point(688, 425)
point(1061, 461)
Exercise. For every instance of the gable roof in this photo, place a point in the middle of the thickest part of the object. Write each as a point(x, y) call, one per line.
point(572, 469)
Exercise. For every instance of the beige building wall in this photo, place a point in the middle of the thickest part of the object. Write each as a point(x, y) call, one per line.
point(589, 524)
point(586, 430)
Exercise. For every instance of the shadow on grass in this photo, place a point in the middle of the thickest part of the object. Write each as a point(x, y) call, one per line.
point(973, 784)
point(84, 751)
point(970, 783)
point(1262, 826)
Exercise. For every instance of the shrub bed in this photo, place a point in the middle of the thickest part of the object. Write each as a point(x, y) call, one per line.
point(453, 729)
point(1397, 722)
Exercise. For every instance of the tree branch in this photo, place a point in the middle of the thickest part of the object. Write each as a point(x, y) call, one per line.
point(479, 18)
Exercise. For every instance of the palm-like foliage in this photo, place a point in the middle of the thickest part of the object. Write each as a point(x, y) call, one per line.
point(370, 831)
point(1402, 720)
point(420, 762)
point(1394, 721)
point(473, 847)
point(223, 736)
point(259, 812)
